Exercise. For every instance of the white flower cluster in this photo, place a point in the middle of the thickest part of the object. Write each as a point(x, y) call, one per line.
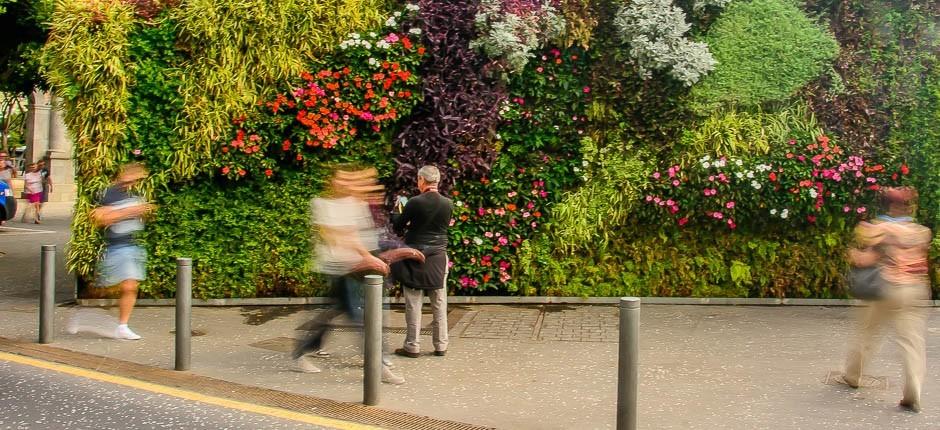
point(655, 31)
point(708, 163)
point(813, 193)
point(504, 108)
point(782, 213)
point(355, 39)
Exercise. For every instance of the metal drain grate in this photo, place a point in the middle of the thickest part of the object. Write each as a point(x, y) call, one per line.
point(352, 412)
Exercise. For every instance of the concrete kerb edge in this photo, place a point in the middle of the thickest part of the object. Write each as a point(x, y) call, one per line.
point(502, 300)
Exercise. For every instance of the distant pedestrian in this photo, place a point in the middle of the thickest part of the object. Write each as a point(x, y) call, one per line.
point(424, 222)
point(7, 173)
point(33, 192)
point(46, 186)
point(7, 169)
point(898, 246)
point(347, 238)
point(121, 213)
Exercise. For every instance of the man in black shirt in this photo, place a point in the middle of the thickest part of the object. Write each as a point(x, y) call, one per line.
point(424, 222)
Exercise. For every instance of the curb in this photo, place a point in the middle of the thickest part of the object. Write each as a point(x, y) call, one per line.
point(504, 300)
point(306, 404)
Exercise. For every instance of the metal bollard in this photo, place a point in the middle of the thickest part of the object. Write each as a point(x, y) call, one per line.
point(372, 378)
point(47, 293)
point(628, 375)
point(184, 306)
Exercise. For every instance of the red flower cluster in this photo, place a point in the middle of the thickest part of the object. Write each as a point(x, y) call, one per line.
point(332, 102)
point(363, 88)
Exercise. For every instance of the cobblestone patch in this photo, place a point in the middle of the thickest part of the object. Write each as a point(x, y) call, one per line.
point(580, 324)
point(503, 322)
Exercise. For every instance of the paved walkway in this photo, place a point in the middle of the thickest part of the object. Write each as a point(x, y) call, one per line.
point(554, 367)
point(523, 367)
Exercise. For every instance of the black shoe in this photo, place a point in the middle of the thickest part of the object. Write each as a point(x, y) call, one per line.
point(404, 353)
point(909, 406)
point(440, 353)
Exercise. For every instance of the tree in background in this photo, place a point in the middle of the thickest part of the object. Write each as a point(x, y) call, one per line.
point(24, 24)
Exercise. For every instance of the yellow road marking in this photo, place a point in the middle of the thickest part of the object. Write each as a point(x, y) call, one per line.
point(188, 395)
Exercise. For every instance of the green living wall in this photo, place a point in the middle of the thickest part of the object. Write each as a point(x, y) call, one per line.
point(592, 147)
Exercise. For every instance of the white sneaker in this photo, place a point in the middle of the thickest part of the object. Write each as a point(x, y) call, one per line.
point(303, 365)
point(124, 332)
point(390, 378)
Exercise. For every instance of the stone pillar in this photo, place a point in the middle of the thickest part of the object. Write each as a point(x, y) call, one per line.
point(37, 126)
point(47, 138)
point(59, 156)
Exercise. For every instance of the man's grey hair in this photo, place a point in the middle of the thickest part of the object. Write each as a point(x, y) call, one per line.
point(430, 174)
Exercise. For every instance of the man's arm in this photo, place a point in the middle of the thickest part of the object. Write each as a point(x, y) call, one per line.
point(401, 221)
point(107, 215)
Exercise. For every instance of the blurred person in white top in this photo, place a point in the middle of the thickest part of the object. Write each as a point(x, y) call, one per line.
point(347, 236)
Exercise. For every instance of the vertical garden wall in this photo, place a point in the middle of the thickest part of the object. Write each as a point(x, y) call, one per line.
point(592, 147)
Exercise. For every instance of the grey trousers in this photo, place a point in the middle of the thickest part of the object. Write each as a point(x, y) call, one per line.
point(904, 306)
point(413, 303)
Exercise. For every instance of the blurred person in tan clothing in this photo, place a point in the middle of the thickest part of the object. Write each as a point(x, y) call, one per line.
point(898, 245)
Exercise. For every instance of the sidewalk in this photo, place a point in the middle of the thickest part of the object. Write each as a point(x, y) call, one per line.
point(554, 367)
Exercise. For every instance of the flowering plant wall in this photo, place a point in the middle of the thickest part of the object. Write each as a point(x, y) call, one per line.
point(799, 182)
point(549, 167)
point(539, 160)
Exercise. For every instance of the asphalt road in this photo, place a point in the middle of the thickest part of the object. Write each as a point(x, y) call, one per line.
point(36, 398)
point(20, 246)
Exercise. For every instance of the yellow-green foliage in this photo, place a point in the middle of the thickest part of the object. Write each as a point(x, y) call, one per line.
point(735, 133)
point(243, 50)
point(580, 21)
point(85, 61)
point(586, 216)
point(727, 133)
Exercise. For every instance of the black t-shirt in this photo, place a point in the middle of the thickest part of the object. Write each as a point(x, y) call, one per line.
point(425, 220)
point(122, 232)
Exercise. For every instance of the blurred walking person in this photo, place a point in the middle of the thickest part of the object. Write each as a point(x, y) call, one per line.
point(898, 246)
point(121, 213)
point(424, 221)
point(347, 238)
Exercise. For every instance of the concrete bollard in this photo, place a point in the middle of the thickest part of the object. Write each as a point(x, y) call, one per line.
point(47, 293)
point(372, 325)
point(628, 374)
point(184, 306)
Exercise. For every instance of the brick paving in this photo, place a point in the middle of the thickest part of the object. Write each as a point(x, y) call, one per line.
point(503, 322)
point(545, 323)
point(580, 324)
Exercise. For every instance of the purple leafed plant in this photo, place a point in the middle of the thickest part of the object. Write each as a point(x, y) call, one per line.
point(454, 127)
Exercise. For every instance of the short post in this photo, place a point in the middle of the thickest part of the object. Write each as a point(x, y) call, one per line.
point(628, 374)
point(184, 304)
point(372, 326)
point(47, 293)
